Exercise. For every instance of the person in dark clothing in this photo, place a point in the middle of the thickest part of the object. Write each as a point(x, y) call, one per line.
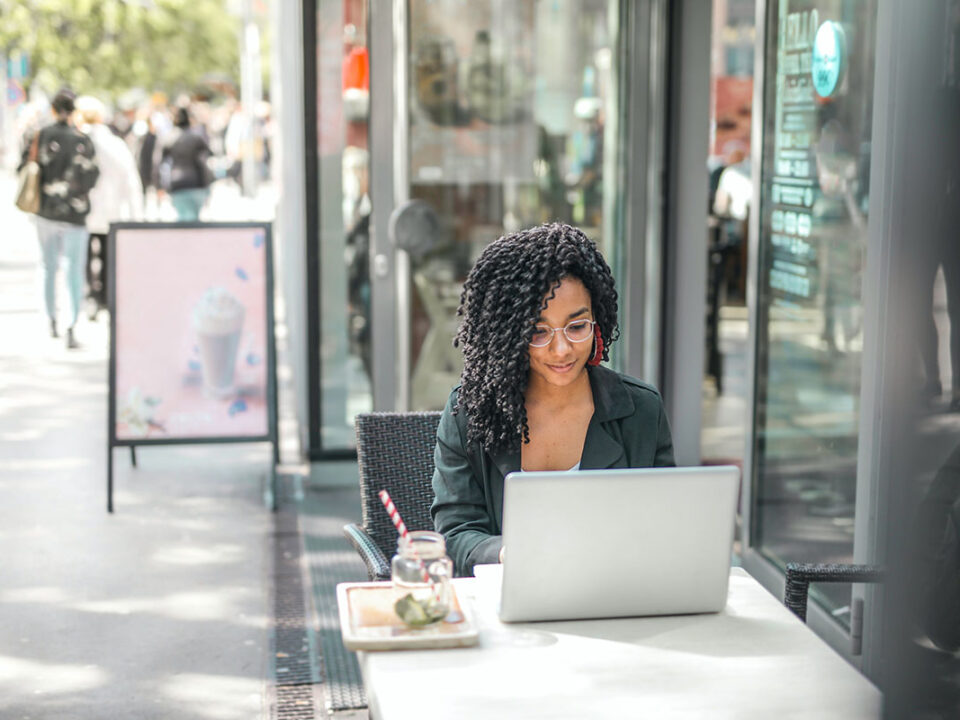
point(145, 155)
point(538, 315)
point(68, 171)
point(358, 291)
point(183, 168)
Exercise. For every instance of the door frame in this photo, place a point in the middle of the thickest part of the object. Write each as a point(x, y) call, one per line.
point(389, 268)
point(642, 68)
point(685, 223)
point(313, 252)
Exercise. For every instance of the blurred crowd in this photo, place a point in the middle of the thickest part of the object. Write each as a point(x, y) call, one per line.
point(147, 124)
point(144, 158)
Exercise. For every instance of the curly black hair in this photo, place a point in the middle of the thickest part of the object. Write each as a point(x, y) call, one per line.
point(502, 299)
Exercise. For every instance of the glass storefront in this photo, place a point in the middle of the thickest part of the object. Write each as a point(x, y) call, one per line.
point(515, 112)
point(815, 195)
point(512, 121)
point(509, 105)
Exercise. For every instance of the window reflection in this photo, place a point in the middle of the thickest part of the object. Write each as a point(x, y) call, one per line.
point(508, 107)
point(814, 208)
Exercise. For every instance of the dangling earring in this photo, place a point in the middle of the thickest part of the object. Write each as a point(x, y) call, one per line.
point(598, 347)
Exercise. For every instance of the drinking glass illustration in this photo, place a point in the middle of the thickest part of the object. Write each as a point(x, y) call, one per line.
point(218, 322)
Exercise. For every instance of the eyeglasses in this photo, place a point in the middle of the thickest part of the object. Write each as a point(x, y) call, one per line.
point(576, 331)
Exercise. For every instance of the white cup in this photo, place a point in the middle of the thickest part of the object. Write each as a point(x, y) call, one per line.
point(218, 322)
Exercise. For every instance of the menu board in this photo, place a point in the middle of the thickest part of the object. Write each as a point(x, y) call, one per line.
point(191, 341)
point(818, 108)
point(793, 270)
point(818, 115)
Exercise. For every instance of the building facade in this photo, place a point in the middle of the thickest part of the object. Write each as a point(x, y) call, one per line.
point(774, 183)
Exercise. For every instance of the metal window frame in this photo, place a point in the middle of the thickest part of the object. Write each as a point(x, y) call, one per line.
point(884, 512)
point(388, 152)
point(685, 224)
point(642, 60)
point(313, 255)
point(288, 92)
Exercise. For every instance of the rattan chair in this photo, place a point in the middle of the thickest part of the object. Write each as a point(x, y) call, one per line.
point(395, 452)
point(800, 575)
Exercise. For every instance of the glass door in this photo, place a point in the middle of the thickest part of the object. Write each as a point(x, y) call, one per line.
point(507, 116)
point(814, 211)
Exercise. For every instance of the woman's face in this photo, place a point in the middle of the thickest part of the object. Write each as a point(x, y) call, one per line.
point(561, 362)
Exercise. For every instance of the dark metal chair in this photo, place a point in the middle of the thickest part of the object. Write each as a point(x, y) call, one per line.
point(395, 453)
point(800, 575)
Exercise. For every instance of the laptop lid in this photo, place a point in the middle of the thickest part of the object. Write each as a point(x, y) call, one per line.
point(617, 543)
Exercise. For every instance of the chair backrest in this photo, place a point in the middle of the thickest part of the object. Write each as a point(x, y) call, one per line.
point(395, 452)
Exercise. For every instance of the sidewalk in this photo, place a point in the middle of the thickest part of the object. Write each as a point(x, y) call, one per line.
point(162, 610)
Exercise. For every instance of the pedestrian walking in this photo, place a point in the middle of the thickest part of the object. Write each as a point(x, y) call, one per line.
point(68, 171)
point(117, 196)
point(146, 156)
point(184, 172)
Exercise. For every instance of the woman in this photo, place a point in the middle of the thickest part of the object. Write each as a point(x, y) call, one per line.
point(539, 312)
point(117, 196)
point(68, 171)
point(183, 168)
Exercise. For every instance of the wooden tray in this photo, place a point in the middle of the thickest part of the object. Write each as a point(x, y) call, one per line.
point(368, 621)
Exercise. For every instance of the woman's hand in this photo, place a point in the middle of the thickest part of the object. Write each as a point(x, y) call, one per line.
point(501, 554)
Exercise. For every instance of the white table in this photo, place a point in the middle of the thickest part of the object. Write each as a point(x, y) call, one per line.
point(753, 660)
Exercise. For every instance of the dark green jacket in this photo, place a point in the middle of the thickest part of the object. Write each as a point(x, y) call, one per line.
point(628, 429)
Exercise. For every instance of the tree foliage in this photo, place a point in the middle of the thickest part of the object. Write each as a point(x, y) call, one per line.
point(107, 47)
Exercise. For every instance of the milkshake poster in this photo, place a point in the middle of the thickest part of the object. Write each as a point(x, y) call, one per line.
point(191, 324)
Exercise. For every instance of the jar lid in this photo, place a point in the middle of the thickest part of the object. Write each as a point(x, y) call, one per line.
point(429, 545)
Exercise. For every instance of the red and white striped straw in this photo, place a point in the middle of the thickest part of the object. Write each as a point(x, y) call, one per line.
point(402, 529)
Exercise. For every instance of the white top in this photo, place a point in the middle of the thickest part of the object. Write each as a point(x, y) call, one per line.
point(573, 469)
point(754, 660)
point(118, 194)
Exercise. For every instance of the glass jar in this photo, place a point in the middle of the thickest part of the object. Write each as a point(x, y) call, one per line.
point(419, 602)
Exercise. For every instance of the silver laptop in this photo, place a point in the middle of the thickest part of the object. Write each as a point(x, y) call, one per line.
point(617, 543)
